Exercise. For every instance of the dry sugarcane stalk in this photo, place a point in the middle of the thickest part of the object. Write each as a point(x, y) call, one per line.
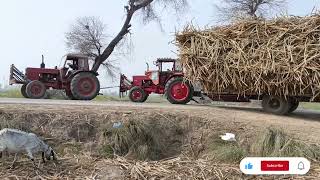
point(279, 57)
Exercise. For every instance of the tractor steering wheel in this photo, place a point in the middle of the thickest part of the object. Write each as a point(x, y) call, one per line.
point(71, 66)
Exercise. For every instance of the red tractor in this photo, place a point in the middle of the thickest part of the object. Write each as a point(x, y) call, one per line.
point(74, 77)
point(162, 81)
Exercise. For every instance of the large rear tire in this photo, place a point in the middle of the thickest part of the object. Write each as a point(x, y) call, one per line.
point(85, 86)
point(294, 104)
point(138, 95)
point(276, 105)
point(36, 90)
point(23, 91)
point(179, 91)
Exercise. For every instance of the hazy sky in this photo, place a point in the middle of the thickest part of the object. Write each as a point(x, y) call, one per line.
point(30, 28)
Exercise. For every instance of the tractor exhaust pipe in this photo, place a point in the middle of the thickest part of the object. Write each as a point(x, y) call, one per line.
point(42, 65)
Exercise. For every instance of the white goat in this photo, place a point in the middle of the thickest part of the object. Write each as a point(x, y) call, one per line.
point(16, 141)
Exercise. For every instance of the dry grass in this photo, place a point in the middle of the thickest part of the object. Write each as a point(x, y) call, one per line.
point(145, 140)
point(276, 143)
point(279, 57)
point(89, 148)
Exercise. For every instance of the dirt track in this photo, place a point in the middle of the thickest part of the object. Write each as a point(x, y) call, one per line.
point(304, 124)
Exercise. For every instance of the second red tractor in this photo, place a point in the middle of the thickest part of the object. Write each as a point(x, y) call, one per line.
point(168, 81)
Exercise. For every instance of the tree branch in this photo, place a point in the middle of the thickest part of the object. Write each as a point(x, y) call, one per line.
point(131, 9)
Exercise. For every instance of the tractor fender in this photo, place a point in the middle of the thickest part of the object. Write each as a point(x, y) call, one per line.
point(174, 76)
point(77, 72)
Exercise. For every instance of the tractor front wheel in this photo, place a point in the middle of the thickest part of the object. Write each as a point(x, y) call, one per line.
point(85, 86)
point(137, 94)
point(179, 91)
point(276, 105)
point(23, 91)
point(69, 95)
point(35, 90)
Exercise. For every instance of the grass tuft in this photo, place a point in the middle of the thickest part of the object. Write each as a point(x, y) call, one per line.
point(276, 143)
point(144, 140)
point(223, 151)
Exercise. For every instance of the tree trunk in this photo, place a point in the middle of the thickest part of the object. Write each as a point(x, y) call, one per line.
point(124, 30)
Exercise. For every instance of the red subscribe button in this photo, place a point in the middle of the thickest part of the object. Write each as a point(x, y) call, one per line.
point(274, 165)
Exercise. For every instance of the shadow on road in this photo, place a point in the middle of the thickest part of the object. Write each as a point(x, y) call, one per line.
point(311, 115)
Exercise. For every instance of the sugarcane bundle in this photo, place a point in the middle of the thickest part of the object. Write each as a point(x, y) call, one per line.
point(277, 57)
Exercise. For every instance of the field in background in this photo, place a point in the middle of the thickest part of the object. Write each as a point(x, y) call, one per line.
point(313, 106)
point(11, 93)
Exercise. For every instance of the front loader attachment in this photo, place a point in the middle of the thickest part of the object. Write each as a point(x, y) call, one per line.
point(16, 76)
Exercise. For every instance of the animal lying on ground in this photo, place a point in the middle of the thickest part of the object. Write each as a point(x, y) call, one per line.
point(16, 141)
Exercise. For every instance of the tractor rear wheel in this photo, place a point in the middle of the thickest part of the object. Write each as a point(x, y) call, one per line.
point(179, 91)
point(85, 86)
point(36, 90)
point(137, 94)
point(276, 105)
point(23, 90)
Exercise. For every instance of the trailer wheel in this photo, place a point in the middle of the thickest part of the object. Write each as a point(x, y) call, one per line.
point(294, 104)
point(276, 105)
point(178, 91)
point(85, 86)
point(137, 94)
point(35, 90)
point(23, 91)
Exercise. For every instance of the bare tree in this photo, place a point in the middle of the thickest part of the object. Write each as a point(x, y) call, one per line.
point(148, 9)
point(236, 9)
point(88, 36)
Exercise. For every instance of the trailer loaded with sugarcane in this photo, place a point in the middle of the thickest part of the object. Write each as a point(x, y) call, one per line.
point(276, 61)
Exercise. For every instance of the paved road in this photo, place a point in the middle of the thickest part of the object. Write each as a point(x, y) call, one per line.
point(95, 103)
point(235, 106)
point(247, 107)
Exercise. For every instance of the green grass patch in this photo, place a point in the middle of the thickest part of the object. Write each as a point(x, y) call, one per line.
point(312, 106)
point(229, 152)
point(11, 93)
